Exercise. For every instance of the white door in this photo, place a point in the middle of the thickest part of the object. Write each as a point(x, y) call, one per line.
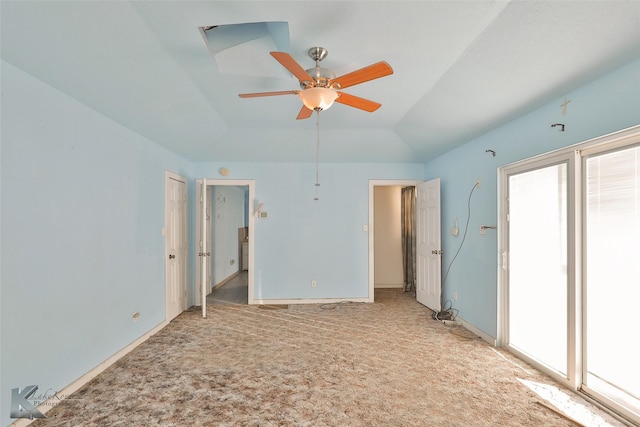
point(203, 232)
point(203, 240)
point(428, 252)
point(175, 244)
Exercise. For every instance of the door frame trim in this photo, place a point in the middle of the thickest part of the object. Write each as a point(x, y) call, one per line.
point(372, 184)
point(251, 183)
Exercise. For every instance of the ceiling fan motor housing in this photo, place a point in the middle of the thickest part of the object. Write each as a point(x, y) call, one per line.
point(321, 78)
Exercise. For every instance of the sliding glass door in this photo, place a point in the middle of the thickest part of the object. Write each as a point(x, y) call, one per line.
point(570, 283)
point(538, 281)
point(612, 275)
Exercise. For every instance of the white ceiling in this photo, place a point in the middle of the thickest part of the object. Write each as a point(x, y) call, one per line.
point(460, 69)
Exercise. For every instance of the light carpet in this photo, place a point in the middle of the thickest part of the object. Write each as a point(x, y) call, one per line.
point(381, 364)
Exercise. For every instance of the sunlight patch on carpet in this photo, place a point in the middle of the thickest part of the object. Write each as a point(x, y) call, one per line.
point(565, 404)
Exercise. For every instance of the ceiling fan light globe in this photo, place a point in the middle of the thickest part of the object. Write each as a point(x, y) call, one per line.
point(318, 98)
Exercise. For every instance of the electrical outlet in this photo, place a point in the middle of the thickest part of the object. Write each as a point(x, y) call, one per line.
point(455, 296)
point(478, 182)
point(314, 283)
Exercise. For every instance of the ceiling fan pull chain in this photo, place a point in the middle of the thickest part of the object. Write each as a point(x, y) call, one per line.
point(317, 153)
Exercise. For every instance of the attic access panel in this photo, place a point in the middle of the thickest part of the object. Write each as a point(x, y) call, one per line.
point(243, 49)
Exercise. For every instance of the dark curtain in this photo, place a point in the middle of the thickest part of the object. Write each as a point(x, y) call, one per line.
point(408, 212)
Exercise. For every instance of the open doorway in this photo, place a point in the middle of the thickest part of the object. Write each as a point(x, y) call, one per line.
point(229, 234)
point(225, 242)
point(385, 234)
point(388, 257)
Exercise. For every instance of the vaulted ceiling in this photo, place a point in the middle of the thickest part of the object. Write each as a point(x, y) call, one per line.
point(460, 68)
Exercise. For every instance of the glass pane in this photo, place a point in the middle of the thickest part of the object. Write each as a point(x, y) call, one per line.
point(538, 265)
point(612, 265)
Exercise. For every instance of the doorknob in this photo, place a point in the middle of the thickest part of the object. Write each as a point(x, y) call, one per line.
point(171, 256)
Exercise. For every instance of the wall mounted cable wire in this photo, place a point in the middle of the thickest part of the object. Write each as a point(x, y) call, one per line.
point(450, 314)
point(464, 236)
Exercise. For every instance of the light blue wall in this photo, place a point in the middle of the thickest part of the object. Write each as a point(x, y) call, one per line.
point(82, 213)
point(304, 239)
point(606, 105)
point(82, 210)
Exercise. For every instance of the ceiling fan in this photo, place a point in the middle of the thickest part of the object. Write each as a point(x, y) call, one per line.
point(320, 87)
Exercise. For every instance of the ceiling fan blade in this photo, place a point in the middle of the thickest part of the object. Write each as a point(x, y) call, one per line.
point(357, 102)
point(374, 71)
point(257, 94)
point(304, 113)
point(290, 64)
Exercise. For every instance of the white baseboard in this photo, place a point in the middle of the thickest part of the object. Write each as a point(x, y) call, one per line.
point(388, 286)
point(45, 406)
point(307, 301)
point(476, 331)
point(225, 281)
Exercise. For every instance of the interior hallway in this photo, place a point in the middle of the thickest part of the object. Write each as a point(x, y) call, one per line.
point(235, 291)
